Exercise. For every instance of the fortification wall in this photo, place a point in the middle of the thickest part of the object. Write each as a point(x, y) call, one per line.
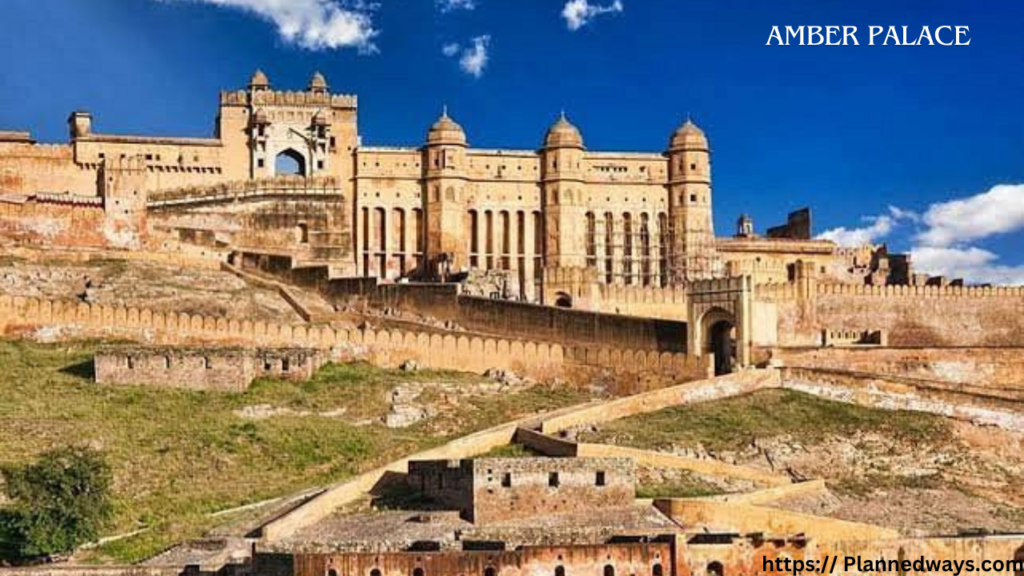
point(745, 519)
point(502, 318)
point(50, 168)
point(901, 393)
point(909, 315)
point(669, 303)
point(389, 348)
point(981, 370)
point(622, 558)
point(79, 222)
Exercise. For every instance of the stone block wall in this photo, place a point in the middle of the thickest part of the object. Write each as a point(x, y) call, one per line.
point(615, 559)
point(33, 317)
point(491, 490)
point(211, 368)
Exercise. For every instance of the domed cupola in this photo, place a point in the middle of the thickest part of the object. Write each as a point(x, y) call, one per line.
point(317, 84)
point(563, 134)
point(688, 137)
point(259, 81)
point(446, 131)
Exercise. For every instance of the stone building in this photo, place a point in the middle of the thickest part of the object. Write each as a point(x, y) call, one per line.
point(556, 220)
point(486, 490)
point(202, 368)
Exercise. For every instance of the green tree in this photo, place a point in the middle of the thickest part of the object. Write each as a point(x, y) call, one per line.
point(58, 503)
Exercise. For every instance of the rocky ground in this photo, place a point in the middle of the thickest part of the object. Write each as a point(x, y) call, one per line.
point(917, 473)
point(144, 284)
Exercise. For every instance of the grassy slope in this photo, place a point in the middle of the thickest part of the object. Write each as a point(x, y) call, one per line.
point(179, 455)
point(731, 424)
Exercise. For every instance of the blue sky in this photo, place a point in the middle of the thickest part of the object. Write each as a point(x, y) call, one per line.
point(937, 132)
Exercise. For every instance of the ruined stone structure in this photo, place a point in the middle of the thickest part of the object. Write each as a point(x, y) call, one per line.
point(488, 490)
point(207, 368)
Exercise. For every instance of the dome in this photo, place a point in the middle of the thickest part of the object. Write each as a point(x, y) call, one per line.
point(317, 83)
point(688, 136)
point(259, 80)
point(446, 131)
point(563, 134)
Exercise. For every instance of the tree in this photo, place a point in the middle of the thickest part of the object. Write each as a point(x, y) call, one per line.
point(58, 502)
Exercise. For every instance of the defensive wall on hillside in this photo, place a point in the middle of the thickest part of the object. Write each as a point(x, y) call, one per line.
point(936, 316)
point(958, 401)
point(389, 348)
point(996, 371)
point(483, 315)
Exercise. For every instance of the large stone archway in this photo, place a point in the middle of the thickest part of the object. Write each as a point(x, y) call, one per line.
point(720, 321)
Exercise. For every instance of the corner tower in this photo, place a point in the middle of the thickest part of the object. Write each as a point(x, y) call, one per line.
point(692, 252)
point(444, 173)
point(562, 185)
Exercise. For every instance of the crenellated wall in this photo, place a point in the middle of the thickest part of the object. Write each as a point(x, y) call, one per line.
point(936, 316)
point(33, 317)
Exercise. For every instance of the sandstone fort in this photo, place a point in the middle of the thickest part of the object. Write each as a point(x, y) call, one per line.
point(559, 263)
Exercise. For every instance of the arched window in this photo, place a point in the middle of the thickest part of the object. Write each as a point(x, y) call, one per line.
point(375, 572)
point(290, 162)
point(715, 569)
point(609, 570)
point(417, 572)
point(332, 572)
point(657, 570)
point(563, 300)
point(490, 571)
point(559, 570)
point(302, 233)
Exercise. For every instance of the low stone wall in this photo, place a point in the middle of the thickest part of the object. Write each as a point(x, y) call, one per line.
point(707, 467)
point(701, 391)
point(994, 371)
point(896, 393)
point(745, 518)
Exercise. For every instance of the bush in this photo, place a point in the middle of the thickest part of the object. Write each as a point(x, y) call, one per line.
point(58, 503)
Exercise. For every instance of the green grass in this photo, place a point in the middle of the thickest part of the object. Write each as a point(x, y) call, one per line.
point(687, 486)
point(178, 456)
point(733, 423)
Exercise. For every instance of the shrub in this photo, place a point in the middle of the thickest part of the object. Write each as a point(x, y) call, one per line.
point(58, 502)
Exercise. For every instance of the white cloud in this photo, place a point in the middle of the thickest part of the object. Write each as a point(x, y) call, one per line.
point(579, 13)
point(450, 5)
point(450, 50)
point(313, 24)
point(972, 263)
point(878, 227)
point(942, 244)
point(998, 211)
point(473, 58)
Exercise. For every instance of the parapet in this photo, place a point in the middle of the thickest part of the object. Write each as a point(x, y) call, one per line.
point(215, 369)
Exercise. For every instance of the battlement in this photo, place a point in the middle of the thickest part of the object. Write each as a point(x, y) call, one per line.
point(132, 163)
point(325, 185)
point(149, 140)
point(68, 199)
point(16, 136)
point(287, 98)
point(921, 291)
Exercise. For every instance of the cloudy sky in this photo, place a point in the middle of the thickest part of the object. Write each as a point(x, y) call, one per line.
point(920, 147)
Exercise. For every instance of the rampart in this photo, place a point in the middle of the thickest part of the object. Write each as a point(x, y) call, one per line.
point(936, 316)
point(389, 348)
point(496, 317)
point(903, 393)
point(994, 371)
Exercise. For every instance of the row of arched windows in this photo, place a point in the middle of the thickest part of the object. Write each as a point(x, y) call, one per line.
point(622, 246)
point(713, 569)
